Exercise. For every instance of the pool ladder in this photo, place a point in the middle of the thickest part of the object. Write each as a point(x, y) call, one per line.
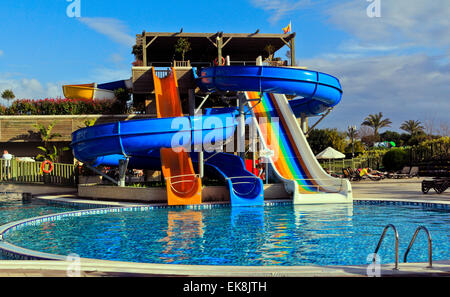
point(430, 257)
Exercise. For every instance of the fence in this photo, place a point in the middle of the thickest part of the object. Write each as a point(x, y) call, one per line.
point(336, 166)
point(14, 171)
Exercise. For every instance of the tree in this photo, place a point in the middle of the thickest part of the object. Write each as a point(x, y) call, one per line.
point(48, 152)
point(412, 127)
point(367, 136)
point(138, 52)
point(8, 95)
point(182, 46)
point(270, 50)
point(376, 122)
point(352, 133)
point(396, 137)
point(320, 139)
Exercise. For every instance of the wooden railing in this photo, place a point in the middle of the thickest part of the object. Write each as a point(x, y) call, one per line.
point(14, 171)
point(182, 63)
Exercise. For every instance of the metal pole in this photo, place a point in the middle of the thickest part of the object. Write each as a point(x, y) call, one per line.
point(241, 126)
point(304, 123)
point(201, 165)
point(123, 164)
point(219, 49)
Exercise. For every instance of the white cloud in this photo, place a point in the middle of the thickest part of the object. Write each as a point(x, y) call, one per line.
point(402, 22)
point(280, 8)
point(25, 88)
point(402, 87)
point(116, 58)
point(104, 74)
point(114, 29)
point(1, 53)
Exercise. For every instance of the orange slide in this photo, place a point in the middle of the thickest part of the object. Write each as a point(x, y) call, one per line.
point(184, 187)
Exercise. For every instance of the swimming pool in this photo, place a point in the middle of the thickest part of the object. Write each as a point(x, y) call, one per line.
point(271, 235)
point(14, 210)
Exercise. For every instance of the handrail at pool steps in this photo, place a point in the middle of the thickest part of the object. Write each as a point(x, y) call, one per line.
point(381, 240)
point(430, 257)
point(430, 246)
point(16, 171)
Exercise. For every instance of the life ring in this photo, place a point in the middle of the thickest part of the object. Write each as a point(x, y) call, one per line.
point(216, 61)
point(50, 169)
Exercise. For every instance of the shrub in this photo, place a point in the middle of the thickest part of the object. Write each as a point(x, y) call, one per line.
point(395, 159)
point(60, 107)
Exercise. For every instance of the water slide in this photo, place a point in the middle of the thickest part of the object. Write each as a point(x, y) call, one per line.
point(95, 91)
point(292, 160)
point(147, 144)
point(184, 186)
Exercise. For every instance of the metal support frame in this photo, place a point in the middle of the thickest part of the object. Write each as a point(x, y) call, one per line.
point(193, 112)
point(123, 166)
point(102, 174)
point(323, 116)
point(241, 125)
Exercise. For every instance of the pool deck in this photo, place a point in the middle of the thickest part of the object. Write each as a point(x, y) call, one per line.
point(389, 189)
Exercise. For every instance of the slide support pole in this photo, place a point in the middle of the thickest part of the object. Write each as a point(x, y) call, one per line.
point(192, 112)
point(241, 126)
point(123, 165)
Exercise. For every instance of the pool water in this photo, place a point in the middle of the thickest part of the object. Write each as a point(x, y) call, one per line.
point(270, 235)
point(15, 210)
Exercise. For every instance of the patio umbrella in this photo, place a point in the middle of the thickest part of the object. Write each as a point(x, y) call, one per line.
point(330, 153)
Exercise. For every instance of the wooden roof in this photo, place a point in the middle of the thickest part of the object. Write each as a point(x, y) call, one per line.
point(240, 47)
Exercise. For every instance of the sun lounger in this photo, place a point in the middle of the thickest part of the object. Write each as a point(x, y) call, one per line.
point(407, 172)
point(414, 172)
point(439, 184)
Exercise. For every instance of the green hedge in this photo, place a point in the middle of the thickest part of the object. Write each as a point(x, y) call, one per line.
point(62, 107)
point(395, 159)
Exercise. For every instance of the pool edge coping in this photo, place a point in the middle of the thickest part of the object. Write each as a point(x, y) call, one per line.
point(208, 270)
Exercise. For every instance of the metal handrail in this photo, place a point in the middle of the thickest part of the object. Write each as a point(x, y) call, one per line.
point(430, 245)
point(255, 178)
point(396, 244)
point(194, 182)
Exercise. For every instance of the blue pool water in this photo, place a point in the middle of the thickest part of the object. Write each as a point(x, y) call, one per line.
point(270, 235)
point(15, 210)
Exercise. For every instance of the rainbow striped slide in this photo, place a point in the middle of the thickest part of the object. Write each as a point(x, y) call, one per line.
point(292, 160)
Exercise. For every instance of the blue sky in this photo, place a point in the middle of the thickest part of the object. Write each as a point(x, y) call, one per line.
point(397, 63)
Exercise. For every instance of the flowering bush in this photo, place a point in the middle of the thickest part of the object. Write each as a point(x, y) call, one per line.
point(59, 107)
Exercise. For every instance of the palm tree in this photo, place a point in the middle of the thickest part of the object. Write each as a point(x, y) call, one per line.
point(377, 122)
point(8, 95)
point(412, 127)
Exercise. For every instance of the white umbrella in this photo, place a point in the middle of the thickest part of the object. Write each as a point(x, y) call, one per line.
point(330, 153)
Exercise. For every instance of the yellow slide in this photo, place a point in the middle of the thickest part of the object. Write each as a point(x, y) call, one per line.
point(184, 187)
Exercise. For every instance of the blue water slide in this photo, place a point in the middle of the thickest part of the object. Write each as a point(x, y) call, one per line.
point(319, 91)
point(114, 85)
point(245, 188)
point(138, 137)
point(140, 141)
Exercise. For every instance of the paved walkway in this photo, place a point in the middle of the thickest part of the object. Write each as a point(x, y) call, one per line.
point(389, 189)
point(402, 189)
